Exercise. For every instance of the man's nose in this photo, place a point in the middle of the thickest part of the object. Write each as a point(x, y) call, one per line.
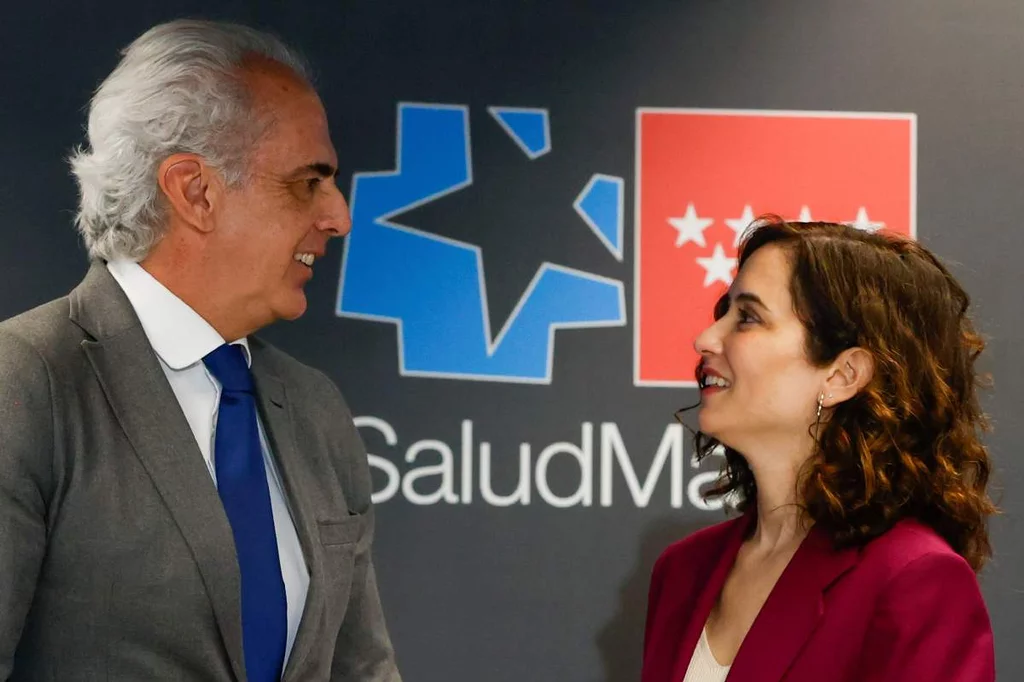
point(335, 219)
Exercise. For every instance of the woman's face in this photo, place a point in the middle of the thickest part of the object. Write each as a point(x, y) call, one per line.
point(759, 391)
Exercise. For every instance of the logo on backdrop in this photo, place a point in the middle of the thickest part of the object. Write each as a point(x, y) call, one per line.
point(434, 289)
point(703, 175)
point(701, 178)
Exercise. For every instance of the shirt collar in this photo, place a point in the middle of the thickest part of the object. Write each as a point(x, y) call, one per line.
point(178, 334)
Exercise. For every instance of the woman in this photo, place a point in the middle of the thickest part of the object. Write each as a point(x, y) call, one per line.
point(839, 377)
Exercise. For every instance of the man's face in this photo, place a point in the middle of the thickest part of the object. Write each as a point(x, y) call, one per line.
point(272, 227)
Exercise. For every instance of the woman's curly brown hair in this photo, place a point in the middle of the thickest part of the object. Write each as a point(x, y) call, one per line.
point(908, 445)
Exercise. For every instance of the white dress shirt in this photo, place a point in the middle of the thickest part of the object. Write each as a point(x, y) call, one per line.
point(181, 338)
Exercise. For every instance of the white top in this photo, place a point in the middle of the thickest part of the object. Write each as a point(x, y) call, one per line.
point(181, 338)
point(703, 666)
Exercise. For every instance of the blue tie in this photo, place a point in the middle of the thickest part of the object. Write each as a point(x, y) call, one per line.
point(242, 483)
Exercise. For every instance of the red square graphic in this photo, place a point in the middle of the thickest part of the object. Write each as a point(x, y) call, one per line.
point(703, 175)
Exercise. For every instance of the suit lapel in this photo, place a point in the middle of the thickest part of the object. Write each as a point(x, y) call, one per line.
point(710, 590)
point(792, 610)
point(277, 421)
point(148, 412)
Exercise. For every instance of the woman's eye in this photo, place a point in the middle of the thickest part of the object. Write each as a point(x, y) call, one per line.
point(745, 317)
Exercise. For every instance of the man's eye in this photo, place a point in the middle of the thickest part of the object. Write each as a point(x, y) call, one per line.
point(313, 183)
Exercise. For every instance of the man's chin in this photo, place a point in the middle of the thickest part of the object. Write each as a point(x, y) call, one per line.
point(293, 309)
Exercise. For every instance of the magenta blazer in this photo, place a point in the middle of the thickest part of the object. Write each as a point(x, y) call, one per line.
point(904, 608)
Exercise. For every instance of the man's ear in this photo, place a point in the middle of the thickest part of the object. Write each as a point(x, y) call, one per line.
point(851, 371)
point(190, 188)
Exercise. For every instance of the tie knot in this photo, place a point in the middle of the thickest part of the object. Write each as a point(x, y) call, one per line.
point(227, 364)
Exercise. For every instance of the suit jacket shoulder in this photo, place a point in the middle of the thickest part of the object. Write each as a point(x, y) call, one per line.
point(929, 620)
point(45, 329)
point(904, 544)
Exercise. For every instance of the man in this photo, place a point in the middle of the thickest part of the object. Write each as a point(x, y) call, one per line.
point(172, 506)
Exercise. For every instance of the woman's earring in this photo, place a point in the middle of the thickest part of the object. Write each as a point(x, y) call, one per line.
point(817, 417)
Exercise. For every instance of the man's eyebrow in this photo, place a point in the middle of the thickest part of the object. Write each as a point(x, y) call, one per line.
point(321, 168)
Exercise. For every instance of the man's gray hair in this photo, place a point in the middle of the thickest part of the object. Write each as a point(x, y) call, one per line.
point(176, 89)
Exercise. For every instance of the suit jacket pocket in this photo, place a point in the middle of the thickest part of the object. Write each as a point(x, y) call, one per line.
point(338, 540)
point(342, 532)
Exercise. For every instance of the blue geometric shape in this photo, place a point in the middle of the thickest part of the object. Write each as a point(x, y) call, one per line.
point(433, 287)
point(600, 206)
point(528, 128)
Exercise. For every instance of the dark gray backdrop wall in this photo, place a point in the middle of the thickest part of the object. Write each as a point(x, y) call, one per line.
point(476, 591)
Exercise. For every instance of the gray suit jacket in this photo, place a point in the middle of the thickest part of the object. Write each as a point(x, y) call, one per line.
point(116, 557)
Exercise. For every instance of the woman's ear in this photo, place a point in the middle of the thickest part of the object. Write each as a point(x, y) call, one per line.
point(851, 371)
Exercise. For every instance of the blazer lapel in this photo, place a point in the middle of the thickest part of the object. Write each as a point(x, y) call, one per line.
point(295, 473)
point(148, 412)
point(792, 610)
point(709, 593)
